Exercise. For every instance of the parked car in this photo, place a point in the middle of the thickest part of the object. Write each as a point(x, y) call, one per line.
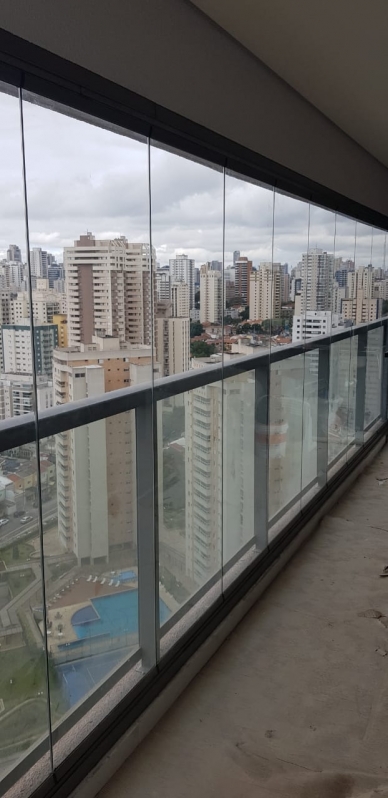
point(18, 513)
point(4, 521)
point(26, 519)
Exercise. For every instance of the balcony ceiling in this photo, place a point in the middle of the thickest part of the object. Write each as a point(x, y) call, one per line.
point(334, 53)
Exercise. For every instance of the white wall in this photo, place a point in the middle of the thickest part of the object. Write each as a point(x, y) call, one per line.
point(169, 52)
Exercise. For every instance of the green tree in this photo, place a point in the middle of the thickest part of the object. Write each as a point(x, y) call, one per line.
point(202, 349)
point(196, 328)
point(245, 313)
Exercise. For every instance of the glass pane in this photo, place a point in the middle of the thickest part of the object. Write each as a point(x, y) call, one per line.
point(92, 276)
point(90, 542)
point(24, 718)
point(374, 356)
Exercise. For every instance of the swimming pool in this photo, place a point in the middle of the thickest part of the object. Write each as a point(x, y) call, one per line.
point(117, 615)
point(127, 576)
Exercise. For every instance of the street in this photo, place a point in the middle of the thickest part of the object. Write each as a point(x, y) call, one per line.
point(14, 530)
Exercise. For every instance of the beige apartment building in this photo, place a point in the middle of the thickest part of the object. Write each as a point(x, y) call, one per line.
point(108, 289)
point(362, 304)
point(96, 463)
point(210, 295)
point(265, 292)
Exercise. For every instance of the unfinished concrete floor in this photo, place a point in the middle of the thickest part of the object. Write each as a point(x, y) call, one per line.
point(295, 703)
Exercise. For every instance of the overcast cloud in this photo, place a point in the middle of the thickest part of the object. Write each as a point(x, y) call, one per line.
point(81, 177)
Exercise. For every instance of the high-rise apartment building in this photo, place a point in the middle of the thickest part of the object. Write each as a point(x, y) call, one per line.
point(163, 282)
point(317, 277)
point(108, 288)
point(211, 295)
point(361, 304)
point(96, 463)
point(243, 269)
point(17, 350)
point(180, 300)
point(17, 394)
point(265, 292)
point(38, 262)
point(182, 270)
point(14, 253)
point(236, 256)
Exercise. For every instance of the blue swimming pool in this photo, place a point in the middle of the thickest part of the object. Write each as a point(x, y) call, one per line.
point(117, 615)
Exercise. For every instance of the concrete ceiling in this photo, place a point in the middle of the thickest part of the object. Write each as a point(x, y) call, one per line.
point(333, 52)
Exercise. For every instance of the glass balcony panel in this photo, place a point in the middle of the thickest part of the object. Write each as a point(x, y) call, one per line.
point(286, 413)
point(190, 489)
point(374, 367)
point(89, 511)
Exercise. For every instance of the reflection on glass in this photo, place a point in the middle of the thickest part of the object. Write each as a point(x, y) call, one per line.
point(190, 491)
point(374, 356)
point(310, 418)
point(239, 464)
point(285, 434)
point(23, 674)
point(341, 396)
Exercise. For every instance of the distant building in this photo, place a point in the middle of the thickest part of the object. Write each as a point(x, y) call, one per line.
point(265, 292)
point(17, 394)
point(14, 253)
point(243, 269)
point(182, 270)
point(17, 349)
point(314, 323)
point(211, 295)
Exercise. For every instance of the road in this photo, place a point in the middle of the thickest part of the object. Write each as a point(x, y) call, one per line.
point(14, 530)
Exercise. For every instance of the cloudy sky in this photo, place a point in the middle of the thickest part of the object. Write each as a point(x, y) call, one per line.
point(81, 177)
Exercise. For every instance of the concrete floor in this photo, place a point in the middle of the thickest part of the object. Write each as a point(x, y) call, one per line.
point(295, 703)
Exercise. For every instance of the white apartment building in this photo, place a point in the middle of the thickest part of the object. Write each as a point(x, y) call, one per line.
point(380, 289)
point(182, 270)
point(180, 300)
point(108, 289)
point(96, 463)
point(265, 292)
point(38, 262)
point(317, 277)
point(163, 281)
point(17, 394)
point(211, 295)
point(313, 323)
point(17, 348)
